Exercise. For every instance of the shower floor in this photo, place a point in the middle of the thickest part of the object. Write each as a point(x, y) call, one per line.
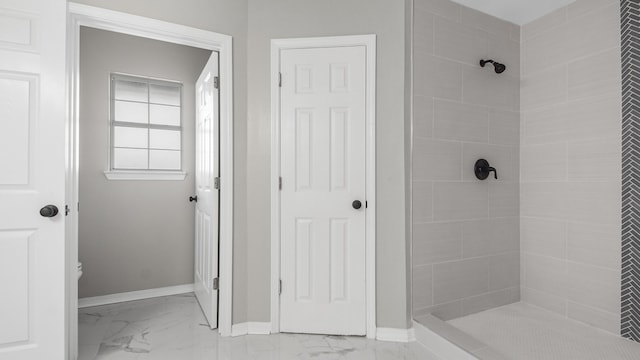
point(520, 331)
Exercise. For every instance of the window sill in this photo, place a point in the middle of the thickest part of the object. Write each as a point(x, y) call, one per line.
point(146, 175)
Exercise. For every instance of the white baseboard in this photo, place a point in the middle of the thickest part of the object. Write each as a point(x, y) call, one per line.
point(251, 328)
point(438, 345)
point(395, 335)
point(134, 295)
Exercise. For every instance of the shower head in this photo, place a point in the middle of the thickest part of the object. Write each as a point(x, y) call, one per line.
point(500, 68)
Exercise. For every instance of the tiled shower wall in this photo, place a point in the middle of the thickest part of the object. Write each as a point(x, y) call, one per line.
point(571, 162)
point(465, 231)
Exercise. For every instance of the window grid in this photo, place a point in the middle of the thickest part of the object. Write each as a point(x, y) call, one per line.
point(149, 126)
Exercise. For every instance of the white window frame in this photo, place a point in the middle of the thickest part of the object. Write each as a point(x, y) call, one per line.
point(142, 174)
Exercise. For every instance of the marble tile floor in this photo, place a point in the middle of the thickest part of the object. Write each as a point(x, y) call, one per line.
point(525, 332)
point(174, 328)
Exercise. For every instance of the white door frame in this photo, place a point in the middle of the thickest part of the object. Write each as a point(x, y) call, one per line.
point(277, 45)
point(99, 18)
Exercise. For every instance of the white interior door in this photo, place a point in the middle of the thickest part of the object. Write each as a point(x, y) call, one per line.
point(32, 175)
point(323, 173)
point(207, 204)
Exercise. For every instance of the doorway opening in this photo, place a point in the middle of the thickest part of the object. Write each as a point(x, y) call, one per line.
point(167, 140)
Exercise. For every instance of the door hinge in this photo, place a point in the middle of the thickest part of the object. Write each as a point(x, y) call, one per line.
point(216, 82)
point(216, 284)
point(216, 183)
point(280, 183)
point(280, 287)
point(67, 210)
point(279, 79)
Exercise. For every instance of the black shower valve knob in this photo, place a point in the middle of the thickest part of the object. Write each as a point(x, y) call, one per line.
point(482, 170)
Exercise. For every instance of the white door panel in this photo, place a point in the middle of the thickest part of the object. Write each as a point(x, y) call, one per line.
point(207, 169)
point(32, 175)
point(323, 169)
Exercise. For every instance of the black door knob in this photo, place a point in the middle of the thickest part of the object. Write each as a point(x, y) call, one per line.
point(193, 198)
point(49, 211)
point(357, 204)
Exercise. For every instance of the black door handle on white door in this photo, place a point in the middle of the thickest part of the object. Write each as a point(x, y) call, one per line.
point(357, 204)
point(49, 211)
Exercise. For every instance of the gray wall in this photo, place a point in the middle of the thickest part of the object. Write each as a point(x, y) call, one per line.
point(284, 19)
point(306, 18)
point(571, 162)
point(228, 17)
point(465, 231)
point(122, 223)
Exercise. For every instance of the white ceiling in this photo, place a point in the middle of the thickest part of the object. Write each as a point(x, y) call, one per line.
point(516, 11)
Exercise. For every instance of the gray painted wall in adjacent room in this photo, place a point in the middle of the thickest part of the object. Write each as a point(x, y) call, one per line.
point(227, 17)
point(133, 235)
point(310, 18)
point(465, 234)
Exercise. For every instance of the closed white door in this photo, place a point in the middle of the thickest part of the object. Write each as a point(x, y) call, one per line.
point(323, 191)
point(32, 177)
point(207, 204)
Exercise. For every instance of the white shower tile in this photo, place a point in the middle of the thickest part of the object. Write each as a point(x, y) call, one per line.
point(504, 127)
point(457, 280)
point(544, 162)
point(459, 42)
point(601, 319)
point(595, 75)
point(545, 274)
point(490, 300)
point(544, 300)
point(546, 23)
point(422, 200)
point(594, 32)
point(444, 8)
point(595, 160)
point(544, 200)
point(545, 88)
point(594, 286)
point(462, 122)
point(595, 244)
point(490, 237)
point(544, 237)
point(422, 286)
point(460, 200)
point(422, 116)
point(436, 242)
point(544, 51)
point(595, 202)
point(436, 160)
point(504, 271)
point(504, 199)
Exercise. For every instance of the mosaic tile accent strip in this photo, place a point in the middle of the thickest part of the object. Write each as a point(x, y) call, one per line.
point(630, 26)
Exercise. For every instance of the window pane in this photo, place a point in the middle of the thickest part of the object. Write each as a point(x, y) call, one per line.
point(165, 115)
point(131, 112)
point(165, 139)
point(130, 159)
point(130, 137)
point(167, 95)
point(164, 160)
point(130, 90)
